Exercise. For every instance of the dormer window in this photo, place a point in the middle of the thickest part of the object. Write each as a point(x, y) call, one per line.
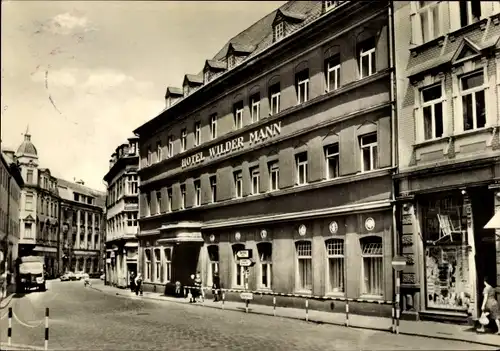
point(330, 5)
point(279, 31)
point(186, 90)
point(231, 61)
point(206, 76)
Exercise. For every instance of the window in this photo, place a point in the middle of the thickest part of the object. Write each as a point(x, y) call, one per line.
point(369, 155)
point(304, 265)
point(473, 100)
point(238, 115)
point(255, 174)
point(148, 207)
point(206, 76)
point(238, 184)
point(332, 72)
point(197, 193)
point(185, 89)
point(42, 206)
point(279, 31)
point(29, 202)
point(213, 126)
point(133, 182)
point(302, 86)
point(274, 98)
point(432, 109)
point(158, 274)
point(213, 256)
point(150, 157)
point(367, 58)
point(335, 256)
point(29, 178)
point(159, 155)
point(183, 196)
point(27, 231)
point(372, 267)
point(265, 256)
point(147, 257)
point(213, 189)
point(183, 140)
point(169, 199)
point(332, 161)
point(470, 12)
point(274, 176)
point(255, 107)
point(197, 134)
point(428, 19)
point(131, 219)
point(167, 271)
point(158, 202)
point(329, 5)
point(301, 163)
point(239, 271)
point(231, 61)
point(170, 146)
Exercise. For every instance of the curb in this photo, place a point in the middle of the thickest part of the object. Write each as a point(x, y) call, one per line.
point(242, 309)
point(4, 346)
point(6, 301)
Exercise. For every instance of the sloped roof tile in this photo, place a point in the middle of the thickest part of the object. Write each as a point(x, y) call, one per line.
point(193, 79)
point(216, 65)
point(173, 91)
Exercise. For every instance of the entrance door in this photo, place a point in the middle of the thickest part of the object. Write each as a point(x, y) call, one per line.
point(185, 261)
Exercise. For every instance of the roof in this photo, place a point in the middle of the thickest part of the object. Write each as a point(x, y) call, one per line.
point(173, 91)
point(217, 65)
point(246, 49)
point(193, 79)
point(67, 188)
point(12, 167)
point(26, 148)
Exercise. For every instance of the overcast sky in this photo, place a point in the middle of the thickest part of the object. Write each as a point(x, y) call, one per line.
point(83, 75)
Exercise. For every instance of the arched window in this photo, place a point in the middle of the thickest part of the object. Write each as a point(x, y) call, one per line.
point(304, 265)
point(239, 271)
point(147, 265)
point(213, 266)
point(266, 260)
point(335, 266)
point(372, 267)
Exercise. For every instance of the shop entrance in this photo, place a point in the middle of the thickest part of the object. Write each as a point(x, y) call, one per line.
point(185, 261)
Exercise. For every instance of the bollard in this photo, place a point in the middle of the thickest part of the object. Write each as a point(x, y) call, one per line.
point(46, 343)
point(274, 306)
point(393, 313)
point(9, 330)
point(246, 306)
point(223, 298)
point(346, 313)
point(398, 294)
point(307, 310)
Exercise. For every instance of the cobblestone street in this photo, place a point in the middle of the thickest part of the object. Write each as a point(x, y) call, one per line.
point(86, 319)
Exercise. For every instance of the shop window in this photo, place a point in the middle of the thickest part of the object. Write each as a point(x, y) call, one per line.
point(167, 270)
point(470, 12)
point(332, 72)
point(147, 259)
point(302, 86)
point(274, 98)
point(157, 265)
point(372, 267)
point(255, 107)
point(432, 109)
point(274, 176)
point(473, 100)
point(332, 161)
point(239, 271)
point(367, 65)
point(335, 256)
point(369, 154)
point(213, 267)
point(301, 164)
point(304, 265)
point(238, 115)
point(238, 184)
point(265, 251)
point(255, 175)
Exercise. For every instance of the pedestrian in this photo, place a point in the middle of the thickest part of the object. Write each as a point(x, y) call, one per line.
point(199, 287)
point(132, 281)
point(192, 291)
point(490, 304)
point(138, 284)
point(216, 287)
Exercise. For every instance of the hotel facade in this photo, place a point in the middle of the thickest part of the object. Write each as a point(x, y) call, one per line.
point(283, 144)
point(448, 68)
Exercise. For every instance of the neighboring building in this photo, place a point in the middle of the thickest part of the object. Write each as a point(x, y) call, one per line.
point(448, 64)
point(11, 183)
point(122, 212)
point(283, 145)
point(82, 227)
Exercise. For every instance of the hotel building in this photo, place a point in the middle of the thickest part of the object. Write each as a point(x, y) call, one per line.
point(448, 78)
point(283, 144)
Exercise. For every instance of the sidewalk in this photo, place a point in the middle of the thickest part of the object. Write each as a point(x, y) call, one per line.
point(425, 329)
point(4, 346)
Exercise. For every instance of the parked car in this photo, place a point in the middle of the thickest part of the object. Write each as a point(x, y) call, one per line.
point(67, 276)
point(79, 275)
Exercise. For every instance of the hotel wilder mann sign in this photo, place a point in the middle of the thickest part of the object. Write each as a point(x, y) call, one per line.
point(252, 138)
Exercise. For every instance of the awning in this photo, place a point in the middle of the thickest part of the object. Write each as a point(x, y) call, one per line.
point(131, 244)
point(494, 222)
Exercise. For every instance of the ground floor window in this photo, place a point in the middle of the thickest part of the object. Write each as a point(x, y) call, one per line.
point(372, 266)
point(147, 259)
point(158, 275)
point(213, 267)
point(335, 266)
point(239, 271)
point(168, 264)
point(304, 265)
point(265, 257)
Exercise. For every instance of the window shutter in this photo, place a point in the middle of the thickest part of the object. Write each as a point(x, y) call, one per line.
point(384, 142)
point(246, 179)
point(418, 117)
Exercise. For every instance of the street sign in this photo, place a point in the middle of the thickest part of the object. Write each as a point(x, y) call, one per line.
point(245, 262)
point(242, 254)
point(398, 263)
point(246, 296)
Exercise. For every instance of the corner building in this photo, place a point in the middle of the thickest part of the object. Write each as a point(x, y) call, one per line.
point(282, 145)
point(447, 185)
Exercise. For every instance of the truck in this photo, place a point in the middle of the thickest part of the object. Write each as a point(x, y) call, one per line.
point(31, 273)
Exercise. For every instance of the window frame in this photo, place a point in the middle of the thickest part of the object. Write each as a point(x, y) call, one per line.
point(470, 18)
point(428, 11)
point(335, 70)
point(170, 146)
point(304, 285)
point(147, 264)
point(167, 264)
point(237, 267)
point(274, 169)
point(329, 156)
point(29, 176)
point(213, 126)
point(304, 165)
point(159, 153)
point(255, 107)
point(149, 157)
point(255, 178)
point(329, 256)
point(302, 80)
point(183, 197)
point(169, 199)
point(197, 193)
point(158, 202)
point(370, 53)
point(266, 264)
point(31, 202)
point(380, 256)
point(197, 134)
point(238, 109)
point(183, 139)
point(238, 184)
point(279, 31)
point(432, 105)
point(372, 146)
point(212, 264)
point(473, 91)
point(157, 265)
point(275, 99)
point(213, 188)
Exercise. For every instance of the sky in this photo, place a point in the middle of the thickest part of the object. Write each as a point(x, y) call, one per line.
point(82, 75)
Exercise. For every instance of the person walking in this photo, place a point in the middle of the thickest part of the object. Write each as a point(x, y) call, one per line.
point(199, 287)
point(490, 304)
point(138, 284)
point(216, 287)
point(132, 281)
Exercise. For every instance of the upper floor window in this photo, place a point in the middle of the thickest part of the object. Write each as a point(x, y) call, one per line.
point(427, 25)
point(332, 72)
point(470, 12)
point(28, 233)
point(183, 196)
point(367, 58)
point(169, 199)
point(158, 202)
point(368, 144)
point(197, 133)
point(473, 100)
point(279, 31)
point(302, 86)
point(133, 184)
point(206, 76)
point(183, 140)
point(238, 184)
point(213, 126)
point(131, 219)
point(255, 107)
point(301, 164)
point(29, 177)
point(274, 176)
point(372, 273)
point(150, 157)
point(29, 202)
point(170, 146)
point(197, 193)
point(231, 61)
point(274, 99)
point(238, 115)
point(332, 161)
point(255, 175)
point(213, 189)
point(432, 109)
point(159, 155)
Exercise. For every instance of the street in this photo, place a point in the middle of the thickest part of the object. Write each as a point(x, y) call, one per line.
point(86, 319)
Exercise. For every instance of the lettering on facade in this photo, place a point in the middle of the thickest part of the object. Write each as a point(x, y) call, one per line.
point(225, 148)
